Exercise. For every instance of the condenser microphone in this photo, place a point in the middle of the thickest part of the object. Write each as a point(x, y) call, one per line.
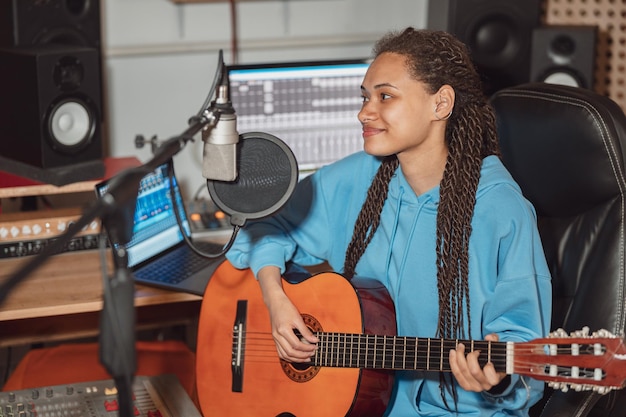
point(268, 173)
point(219, 155)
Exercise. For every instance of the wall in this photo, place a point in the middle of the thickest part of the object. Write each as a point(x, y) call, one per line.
point(160, 58)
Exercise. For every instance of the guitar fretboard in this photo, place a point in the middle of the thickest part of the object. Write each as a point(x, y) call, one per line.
point(348, 350)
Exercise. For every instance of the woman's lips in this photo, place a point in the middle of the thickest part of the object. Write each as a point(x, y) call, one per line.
point(370, 131)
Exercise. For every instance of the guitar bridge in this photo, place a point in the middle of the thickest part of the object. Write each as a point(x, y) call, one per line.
point(239, 331)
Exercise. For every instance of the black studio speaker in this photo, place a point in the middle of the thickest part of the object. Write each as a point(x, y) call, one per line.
point(40, 22)
point(51, 98)
point(50, 105)
point(497, 32)
point(564, 55)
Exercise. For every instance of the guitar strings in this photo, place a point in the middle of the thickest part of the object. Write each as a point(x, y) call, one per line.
point(521, 348)
point(260, 347)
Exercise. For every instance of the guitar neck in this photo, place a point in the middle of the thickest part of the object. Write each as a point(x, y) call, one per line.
point(367, 351)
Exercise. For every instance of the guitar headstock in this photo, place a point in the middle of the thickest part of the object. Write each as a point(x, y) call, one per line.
point(579, 360)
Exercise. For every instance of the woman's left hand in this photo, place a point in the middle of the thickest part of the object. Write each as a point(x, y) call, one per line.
point(467, 370)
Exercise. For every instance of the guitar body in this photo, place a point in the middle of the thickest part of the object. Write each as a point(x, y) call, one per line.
point(269, 386)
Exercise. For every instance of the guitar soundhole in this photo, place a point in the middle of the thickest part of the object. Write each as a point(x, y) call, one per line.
point(302, 372)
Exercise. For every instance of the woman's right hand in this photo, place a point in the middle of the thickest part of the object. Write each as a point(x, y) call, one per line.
point(285, 319)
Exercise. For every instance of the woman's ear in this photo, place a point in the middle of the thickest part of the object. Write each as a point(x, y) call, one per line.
point(444, 99)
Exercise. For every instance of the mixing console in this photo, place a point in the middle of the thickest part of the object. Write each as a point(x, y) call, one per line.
point(159, 396)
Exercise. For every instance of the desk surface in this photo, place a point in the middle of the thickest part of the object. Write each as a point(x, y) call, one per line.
point(12, 185)
point(69, 283)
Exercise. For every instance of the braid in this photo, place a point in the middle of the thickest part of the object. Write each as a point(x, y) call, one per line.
point(369, 217)
point(456, 208)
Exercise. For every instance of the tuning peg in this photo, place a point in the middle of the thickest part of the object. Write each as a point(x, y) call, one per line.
point(584, 332)
point(558, 333)
point(604, 333)
point(563, 386)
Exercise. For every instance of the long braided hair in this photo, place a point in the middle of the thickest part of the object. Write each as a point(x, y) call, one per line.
point(435, 59)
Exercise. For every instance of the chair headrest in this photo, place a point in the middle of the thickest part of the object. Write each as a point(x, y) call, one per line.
point(563, 145)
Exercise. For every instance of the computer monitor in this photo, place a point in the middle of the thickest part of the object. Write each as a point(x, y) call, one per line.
point(311, 106)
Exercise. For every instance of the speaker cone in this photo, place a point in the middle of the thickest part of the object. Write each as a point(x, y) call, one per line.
point(495, 40)
point(564, 76)
point(71, 125)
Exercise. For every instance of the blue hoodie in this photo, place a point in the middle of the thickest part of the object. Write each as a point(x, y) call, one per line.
point(509, 281)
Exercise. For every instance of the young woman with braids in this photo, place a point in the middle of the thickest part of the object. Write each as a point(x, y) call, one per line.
point(430, 211)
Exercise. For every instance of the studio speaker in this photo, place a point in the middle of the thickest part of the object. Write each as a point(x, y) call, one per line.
point(51, 108)
point(497, 32)
point(50, 105)
point(40, 22)
point(564, 55)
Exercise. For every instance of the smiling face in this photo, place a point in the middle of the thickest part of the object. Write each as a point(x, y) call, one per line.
point(398, 113)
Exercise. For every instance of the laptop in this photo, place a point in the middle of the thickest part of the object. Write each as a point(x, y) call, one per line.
point(157, 253)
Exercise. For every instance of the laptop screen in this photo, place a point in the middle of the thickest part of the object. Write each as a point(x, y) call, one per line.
point(311, 106)
point(155, 229)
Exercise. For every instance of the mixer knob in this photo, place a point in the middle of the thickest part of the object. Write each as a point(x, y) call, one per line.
point(37, 229)
point(26, 230)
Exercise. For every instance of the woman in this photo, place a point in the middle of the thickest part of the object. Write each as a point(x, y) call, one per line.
point(430, 211)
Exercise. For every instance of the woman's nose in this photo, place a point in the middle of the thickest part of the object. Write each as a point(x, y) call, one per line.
point(365, 114)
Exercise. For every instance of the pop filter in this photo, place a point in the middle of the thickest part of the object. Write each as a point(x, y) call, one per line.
point(267, 176)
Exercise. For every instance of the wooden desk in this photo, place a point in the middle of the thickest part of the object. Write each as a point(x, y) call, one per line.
point(12, 185)
point(62, 300)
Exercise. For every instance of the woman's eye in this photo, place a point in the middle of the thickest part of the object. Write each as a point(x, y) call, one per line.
point(364, 99)
point(384, 96)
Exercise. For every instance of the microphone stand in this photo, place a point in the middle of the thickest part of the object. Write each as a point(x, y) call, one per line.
point(116, 211)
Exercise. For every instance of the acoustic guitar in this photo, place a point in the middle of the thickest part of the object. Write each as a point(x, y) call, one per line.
point(239, 372)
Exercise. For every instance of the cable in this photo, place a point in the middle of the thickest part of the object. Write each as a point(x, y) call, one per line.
point(179, 220)
point(233, 31)
point(217, 78)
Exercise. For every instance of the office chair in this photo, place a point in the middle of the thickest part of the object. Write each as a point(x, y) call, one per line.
point(565, 146)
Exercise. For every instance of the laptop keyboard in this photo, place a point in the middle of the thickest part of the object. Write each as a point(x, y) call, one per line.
point(178, 265)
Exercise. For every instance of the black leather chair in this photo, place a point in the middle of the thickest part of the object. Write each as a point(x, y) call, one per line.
point(566, 147)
